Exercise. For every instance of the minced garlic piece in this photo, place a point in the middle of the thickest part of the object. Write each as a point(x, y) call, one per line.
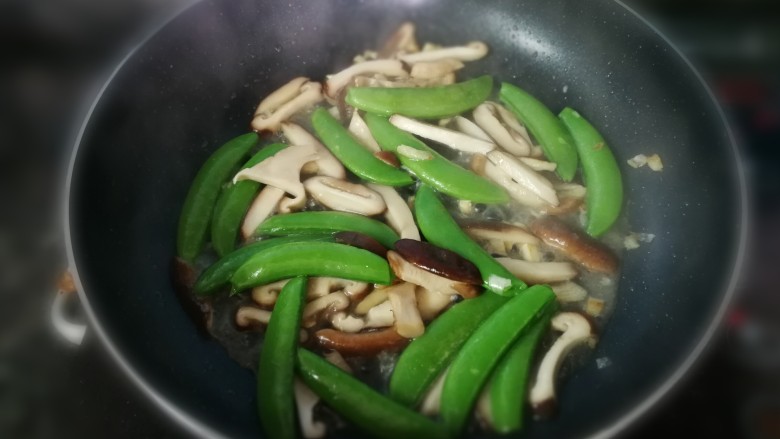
point(637, 161)
point(654, 163)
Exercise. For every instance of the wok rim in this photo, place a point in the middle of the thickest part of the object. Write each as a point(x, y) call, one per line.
point(192, 425)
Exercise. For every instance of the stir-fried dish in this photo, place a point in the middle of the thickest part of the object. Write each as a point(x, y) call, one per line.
point(403, 253)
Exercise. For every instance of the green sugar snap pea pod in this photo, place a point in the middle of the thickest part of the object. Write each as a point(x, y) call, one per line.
point(554, 138)
point(353, 155)
point(199, 204)
point(431, 167)
point(366, 408)
point(311, 259)
point(303, 223)
point(233, 203)
point(439, 228)
point(476, 360)
point(604, 197)
point(425, 103)
point(276, 372)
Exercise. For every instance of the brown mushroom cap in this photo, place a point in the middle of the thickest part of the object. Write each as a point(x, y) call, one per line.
point(438, 261)
point(363, 344)
point(360, 240)
point(575, 245)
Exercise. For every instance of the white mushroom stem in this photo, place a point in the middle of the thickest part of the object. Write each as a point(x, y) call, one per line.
point(567, 292)
point(326, 163)
point(402, 40)
point(347, 323)
point(518, 192)
point(539, 272)
point(511, 234)
point(538, 165)
point(470, 128)
point(453, 139)
point(511, 122)
point(335, 358)
point(281, 96)
point(332, 302)
point(485, 115)
point(413, 153)
point(408, 322)
point(435, 69)
point(373, 299)
point(430, 303)
point(359, 129)
point(398, 214)
point(530, 252)
point(345, 196)
point(250, 317)
point(431, 403)
point(470, 52)
point(320, 286)
point(570, 190)
point(409, 272)
point(310, 94)
point(380, 316)
point(337, 81)
point(264, 205)
point(305, 401)
point(524, 176)
point(266, 295)
point(484, 407)
point(576, 330)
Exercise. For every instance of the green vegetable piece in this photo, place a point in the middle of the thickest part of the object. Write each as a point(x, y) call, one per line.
point(424, 103)
point(219, 273)
point(353, 155)
point(311, 259)
point(508, 386)
point(199, 204)
point(554, 138)
point(438, 227)
point(601, 173)
point(428, 355)
point(483, 350)
point(444, 175)
point(369, 410)
point(275, 374)
point(302, 223)
point(233, 203)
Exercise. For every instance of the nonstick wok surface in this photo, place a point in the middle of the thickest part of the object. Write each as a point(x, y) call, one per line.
point(196, 82)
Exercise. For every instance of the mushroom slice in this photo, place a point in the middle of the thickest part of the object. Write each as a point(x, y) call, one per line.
point(281, 96)
point(539, 272)
point(359, 240)
point(398, 214)
point(373, 299)
point(524, 175)
point(567, 205)
point(380, 316)
point(408, 322)
point(431, 403)
point(250, 317)
point(345, 196)
point(430, 303)
point(409, 272)
point(576, 246)
point(498, 237)
point(413, 154)
point(336, 359)
point(266, 295)
point(470, 128)
point(321, 286)
point(346, 323)
point(538, 165)
point(453, 139)
point(567, 292)
point(435, 69)
point(520, 193)
point(363, 344)
point(309, 94)
point(264, 205)
point(358, 128)
point(325, 163)
point(487, 117)
point(439, 261)
point(402, 40)
point(337, 81)
point(305, 401)
point(470, 52)
point(330, 302)
point(576, 331)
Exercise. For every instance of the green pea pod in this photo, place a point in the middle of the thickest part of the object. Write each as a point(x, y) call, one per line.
point(303, 223)
point(233, 203)
point(276, 372)
point(444, 175)
point(369, 410)
point(199, 204)
point(353, 155)
point(424, 103)
point(428, 355)
point(438, 227)
point(554, 138)
point(219, 273)
point(507, 388)
point(311, 259)
point(473, 365)
point(601, 173)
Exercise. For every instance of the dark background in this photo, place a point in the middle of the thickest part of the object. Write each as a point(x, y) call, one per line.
point(54, 54)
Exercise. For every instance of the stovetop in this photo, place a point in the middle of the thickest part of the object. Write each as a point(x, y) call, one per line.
point(55, 52)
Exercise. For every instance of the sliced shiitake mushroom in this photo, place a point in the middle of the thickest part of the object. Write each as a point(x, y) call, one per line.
point(359, 240)
point(438, 261)
point(362, 344)
point(575, 245)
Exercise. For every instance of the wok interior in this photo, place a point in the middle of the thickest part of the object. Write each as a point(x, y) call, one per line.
point(196, 83)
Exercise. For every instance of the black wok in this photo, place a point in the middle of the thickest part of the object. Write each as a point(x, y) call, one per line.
point(196, 82)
